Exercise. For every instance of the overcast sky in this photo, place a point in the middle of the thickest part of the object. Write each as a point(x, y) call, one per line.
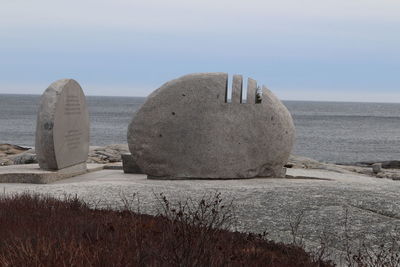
point(339, 50)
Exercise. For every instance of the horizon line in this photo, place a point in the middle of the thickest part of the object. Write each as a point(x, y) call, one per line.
point(297, 100)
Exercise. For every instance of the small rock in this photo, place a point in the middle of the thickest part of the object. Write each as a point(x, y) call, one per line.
point(129, 165)
point(289, 165)
point(377, 167)
point(105, 154)
point(392, 164)
point(380, 175)
point(24, 158)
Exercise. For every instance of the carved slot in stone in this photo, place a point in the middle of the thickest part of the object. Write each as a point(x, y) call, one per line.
point(235, 92)
point(259, 95)
point(229, 91)
point(244, 92)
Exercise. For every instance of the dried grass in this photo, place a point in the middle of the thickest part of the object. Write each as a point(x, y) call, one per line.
point(37, 230)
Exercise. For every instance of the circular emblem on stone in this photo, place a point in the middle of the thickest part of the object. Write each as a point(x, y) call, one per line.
point(62, 128)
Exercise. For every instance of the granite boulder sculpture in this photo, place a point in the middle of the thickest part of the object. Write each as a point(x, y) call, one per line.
point(192, 128)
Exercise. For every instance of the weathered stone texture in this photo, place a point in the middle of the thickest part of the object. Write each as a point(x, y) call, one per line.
point(185, 129)
point(62, 129)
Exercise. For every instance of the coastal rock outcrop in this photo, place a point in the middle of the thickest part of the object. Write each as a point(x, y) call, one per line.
point(107, 154)
point(9, 149)
point(191, 128)
point(26, 157)
point(13, 155)
point(9, 152)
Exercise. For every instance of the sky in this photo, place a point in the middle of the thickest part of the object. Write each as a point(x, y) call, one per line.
point(330, 50)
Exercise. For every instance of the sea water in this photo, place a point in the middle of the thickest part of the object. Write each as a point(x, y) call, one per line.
point(326, 131)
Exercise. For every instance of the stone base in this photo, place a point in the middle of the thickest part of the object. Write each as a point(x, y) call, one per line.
point(277, 174)
point(129, 165)
point(31, 173)
point(113, 166)
point(195, 178)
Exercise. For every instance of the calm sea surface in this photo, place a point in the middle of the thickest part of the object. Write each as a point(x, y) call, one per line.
point(327, 131)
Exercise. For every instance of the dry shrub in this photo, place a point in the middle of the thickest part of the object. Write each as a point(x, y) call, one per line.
point(37, 230)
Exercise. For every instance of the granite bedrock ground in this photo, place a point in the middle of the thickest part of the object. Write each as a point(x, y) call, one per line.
point(330, 200)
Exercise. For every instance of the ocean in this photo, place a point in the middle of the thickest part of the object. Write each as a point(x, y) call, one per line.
point(337, 132)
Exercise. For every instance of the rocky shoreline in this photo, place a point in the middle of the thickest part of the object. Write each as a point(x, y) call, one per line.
point(14, 155)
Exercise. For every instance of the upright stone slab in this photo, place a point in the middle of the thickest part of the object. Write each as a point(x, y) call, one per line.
point(62, 128)
point(186, 129)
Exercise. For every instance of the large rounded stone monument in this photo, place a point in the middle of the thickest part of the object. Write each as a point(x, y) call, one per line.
point(191, 128)
point(62, 128)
